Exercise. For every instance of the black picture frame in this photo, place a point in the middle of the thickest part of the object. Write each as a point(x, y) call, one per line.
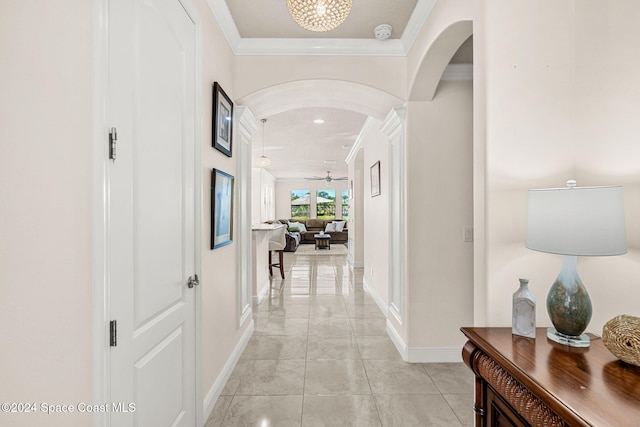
point(222, 121)
point(375, 179)
point(221, 208)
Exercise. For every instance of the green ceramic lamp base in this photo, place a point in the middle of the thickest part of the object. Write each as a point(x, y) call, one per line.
point(569, 306)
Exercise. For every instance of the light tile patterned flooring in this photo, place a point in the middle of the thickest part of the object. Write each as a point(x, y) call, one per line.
point(320, 356)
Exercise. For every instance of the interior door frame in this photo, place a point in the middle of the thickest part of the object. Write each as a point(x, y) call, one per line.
point(100, 177)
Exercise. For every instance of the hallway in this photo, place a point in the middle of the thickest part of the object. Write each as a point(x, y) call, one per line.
point(320, 356)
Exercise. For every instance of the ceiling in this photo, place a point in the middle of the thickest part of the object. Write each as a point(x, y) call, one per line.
point(297, 146)
point(250, 18)
point(300, 148)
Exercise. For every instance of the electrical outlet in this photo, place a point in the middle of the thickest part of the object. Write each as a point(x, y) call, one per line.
point(468, 234)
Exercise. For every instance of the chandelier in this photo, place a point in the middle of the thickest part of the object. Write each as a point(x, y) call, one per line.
point(319, 15)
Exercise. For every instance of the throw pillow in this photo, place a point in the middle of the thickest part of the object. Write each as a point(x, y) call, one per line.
point(340, 225)
point(330, 227)
point(294, 229)
point(300, 226)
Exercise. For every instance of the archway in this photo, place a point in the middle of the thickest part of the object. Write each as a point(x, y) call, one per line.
point(437, 58)
point(274, 101)
point(321, 93)
point(439, 167)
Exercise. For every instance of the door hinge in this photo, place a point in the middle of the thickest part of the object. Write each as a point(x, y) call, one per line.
point(113, 139)
point(193, 281)
point(113, 333)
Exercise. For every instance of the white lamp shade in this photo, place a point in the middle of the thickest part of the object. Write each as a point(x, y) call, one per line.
point(577, 221)
point(263, 161)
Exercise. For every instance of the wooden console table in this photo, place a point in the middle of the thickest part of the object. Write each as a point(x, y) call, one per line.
point(525, 382)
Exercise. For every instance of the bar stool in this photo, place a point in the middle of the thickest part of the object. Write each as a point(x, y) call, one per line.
point(277, 242)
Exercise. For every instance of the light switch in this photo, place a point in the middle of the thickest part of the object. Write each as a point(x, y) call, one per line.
point(468, 234)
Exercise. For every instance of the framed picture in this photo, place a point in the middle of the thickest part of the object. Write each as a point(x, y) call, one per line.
point(222, 121)
point(375, 179)
point(221, 209)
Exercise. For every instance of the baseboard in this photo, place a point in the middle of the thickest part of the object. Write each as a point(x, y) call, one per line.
point(434, 355)
point(384, 308)
point(423, 354)
point(397, 341)
point(216, 389)
point(355, 264)
point(262, 293)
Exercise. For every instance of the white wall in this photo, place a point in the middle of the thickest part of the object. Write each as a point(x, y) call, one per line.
point(220, 331)
point(557, 110)
point(356, 209)
point(45, 194)
point(439, 208)
point(530, 138)
point(607, 135)
point(263, 196)
point(283, 195)
point(376, 213)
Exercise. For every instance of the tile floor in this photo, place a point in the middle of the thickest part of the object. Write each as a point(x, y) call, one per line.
point(320, 356)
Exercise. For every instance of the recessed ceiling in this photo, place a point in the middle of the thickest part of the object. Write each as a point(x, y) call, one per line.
point(268, 19)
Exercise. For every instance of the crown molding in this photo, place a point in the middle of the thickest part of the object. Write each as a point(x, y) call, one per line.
point(416, 23)
point(225, 20)
point(335, 47)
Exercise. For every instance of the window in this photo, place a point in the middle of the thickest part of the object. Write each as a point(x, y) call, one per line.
point(326, 204)
point(300, 204)
point(345, 204)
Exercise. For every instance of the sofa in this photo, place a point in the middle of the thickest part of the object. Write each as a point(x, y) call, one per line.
point(315, 226)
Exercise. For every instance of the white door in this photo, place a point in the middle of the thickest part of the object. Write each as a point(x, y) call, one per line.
point(151, 213)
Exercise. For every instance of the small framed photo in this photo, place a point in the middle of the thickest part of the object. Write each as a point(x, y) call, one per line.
point(222, 121)
point(221, 209)
point(375, 179)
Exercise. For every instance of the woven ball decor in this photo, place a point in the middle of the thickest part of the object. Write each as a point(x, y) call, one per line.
point(621, 335)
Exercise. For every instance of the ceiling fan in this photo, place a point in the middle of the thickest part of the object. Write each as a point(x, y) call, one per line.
point(327, 178)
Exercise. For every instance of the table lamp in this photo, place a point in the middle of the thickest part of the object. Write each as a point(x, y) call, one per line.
point(574, 221)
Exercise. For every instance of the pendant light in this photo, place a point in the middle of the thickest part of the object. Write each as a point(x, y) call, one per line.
point(263, 161)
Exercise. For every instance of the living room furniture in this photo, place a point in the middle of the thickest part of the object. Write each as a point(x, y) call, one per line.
point(292, 241)
point(277, 243)
point(522, 381)
point(323, 241)
point(314, 226)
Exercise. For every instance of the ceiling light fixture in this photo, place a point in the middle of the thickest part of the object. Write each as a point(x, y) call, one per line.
point(319, 15)
point(318, 121)
point(263, 161)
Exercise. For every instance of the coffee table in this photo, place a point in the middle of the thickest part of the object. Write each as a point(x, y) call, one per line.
point(323, 241)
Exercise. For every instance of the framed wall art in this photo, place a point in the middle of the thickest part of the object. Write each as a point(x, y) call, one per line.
point(221, 209)
point(222, 121)
point(375, 179)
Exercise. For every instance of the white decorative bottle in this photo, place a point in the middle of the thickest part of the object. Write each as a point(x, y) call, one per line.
point(524, 311)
